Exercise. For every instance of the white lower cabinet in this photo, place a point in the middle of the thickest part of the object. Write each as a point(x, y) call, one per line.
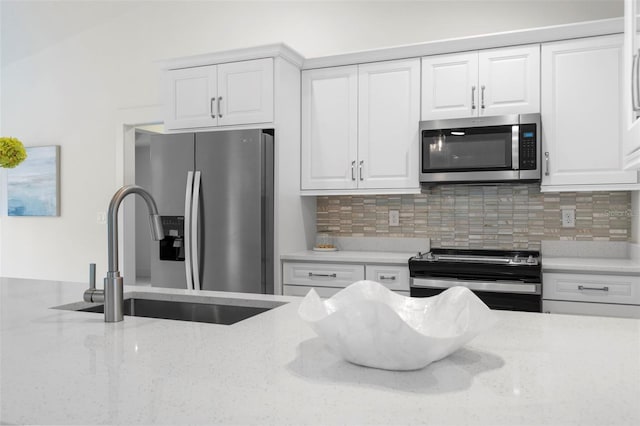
point(591, 294)
point(329, 278)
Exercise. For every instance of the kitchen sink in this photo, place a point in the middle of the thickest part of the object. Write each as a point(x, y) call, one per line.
point(214, 311)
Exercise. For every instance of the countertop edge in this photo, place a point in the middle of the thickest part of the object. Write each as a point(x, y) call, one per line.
point(348, 256)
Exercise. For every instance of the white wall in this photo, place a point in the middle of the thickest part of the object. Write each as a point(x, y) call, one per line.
point(68, 67)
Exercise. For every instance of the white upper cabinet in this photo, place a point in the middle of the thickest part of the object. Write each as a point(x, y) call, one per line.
point(482, 83)
point(329, 128)
point(360, 127)
point(581, 137)
point(388, 117)
point(245, 92)
point(509, 80)
point(449, 86)
point(220, 95)
point(190, 98)
point(631, 86)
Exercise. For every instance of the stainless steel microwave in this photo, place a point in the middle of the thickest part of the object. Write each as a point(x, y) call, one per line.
point(480, 149)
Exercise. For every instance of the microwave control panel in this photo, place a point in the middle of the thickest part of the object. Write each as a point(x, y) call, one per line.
point(528, 147)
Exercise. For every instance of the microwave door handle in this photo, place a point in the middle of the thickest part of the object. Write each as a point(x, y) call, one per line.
point(515, 147)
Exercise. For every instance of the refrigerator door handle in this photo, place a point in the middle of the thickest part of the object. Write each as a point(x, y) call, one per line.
point(187, 230)
point(194, 231)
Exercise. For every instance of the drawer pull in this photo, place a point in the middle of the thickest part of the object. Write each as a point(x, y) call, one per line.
point(581, 287)
point(390, 277)
point(311, 274)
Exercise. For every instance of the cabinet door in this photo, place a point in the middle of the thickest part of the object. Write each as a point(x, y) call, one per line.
point(329, 128)
point(592, 309)
point(245, 92)
point(393, 277)
point(318, 274)
point(191, 98)
point(594, 288)
point(509, 80)
point(631, 86)
point(581, 137)
point(389, 112)
point(450, 86)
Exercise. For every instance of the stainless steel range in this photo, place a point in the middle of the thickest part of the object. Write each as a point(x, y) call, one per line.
point(503, 279)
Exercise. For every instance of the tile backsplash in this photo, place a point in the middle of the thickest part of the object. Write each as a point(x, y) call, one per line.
point(507, 216)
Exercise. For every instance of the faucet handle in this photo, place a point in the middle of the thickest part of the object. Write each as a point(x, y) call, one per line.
point(92, 295)
point(92, 276)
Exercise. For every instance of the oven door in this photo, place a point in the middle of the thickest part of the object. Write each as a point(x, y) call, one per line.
point(469, 153)
point(500, 295)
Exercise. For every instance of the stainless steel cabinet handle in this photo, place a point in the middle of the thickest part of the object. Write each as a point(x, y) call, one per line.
point(635, 82)
point(473, 97)
point(546, 163)
point(219, 107)
point(360, 169)
point(353, 170)
point(311, 274)
point(482, 96)
point(213, 113)
point(389, 278)
point(581, 287)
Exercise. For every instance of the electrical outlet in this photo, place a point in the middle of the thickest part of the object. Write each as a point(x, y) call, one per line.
point(394, 218)
point(568, 218)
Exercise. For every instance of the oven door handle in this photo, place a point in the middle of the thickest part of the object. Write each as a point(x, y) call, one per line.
point(494, 286)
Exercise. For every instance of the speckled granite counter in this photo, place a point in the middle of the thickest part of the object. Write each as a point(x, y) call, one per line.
point(72, 368)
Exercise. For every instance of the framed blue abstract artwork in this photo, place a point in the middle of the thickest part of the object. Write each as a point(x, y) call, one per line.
point(33, 187)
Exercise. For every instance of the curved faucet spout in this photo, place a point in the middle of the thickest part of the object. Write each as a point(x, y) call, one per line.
point(157, 231)
point(113, 293)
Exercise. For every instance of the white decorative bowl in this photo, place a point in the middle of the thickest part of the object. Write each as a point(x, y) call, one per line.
point(369, 325)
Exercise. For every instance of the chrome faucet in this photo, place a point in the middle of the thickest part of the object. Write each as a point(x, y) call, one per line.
point(112, 294)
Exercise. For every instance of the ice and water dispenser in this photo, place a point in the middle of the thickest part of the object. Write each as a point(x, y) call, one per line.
point(172, 246)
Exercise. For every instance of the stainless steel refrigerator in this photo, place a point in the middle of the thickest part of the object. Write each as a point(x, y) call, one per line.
point(214, 191)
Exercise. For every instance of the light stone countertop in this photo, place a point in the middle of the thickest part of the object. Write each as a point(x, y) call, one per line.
point(591, 265)
point(63, 367)
point(591, 257)
point(350, 256)
point(390, 251)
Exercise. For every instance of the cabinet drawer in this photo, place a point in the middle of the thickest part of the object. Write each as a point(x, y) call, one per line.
point(592, 288)
point(595, 309)
point(392, 277)
point(321, 274)
point(302, 290)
